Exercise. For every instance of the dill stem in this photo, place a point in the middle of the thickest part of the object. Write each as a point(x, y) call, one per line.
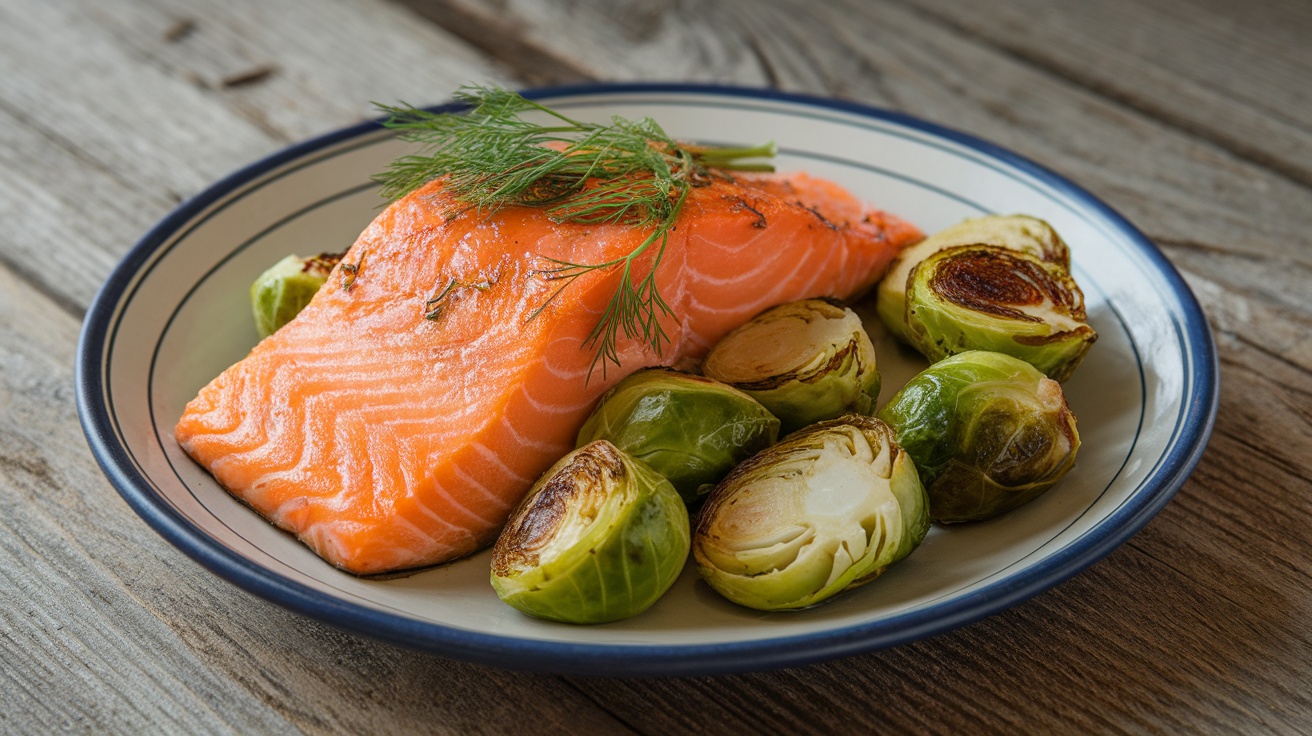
point(726, 158)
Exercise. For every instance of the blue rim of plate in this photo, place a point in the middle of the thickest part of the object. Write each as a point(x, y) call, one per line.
point(1196, 419)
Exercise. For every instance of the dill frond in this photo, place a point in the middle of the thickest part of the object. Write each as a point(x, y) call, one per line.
point(627, 172)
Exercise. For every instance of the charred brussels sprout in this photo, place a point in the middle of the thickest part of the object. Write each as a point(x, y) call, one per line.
point(690, 429)
point(598, 538)
point(984, 297)
point(988, 433)
point(805, 361)
point(828, 508)
point(1017, 232)
point(280, 293)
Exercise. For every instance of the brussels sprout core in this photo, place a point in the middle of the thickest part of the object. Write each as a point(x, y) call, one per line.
point(1015, 232)
point(804, 361)
point(988, 433)
point(691, 429)
point(599, 537)
point(983, 297)
point(828, 508)
point(281, 292)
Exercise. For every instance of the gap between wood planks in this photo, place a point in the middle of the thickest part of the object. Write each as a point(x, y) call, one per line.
point(503, 40)
point(29, 275)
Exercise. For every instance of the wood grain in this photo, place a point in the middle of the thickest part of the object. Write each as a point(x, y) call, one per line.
point(1192, 118)
point(1228, 73)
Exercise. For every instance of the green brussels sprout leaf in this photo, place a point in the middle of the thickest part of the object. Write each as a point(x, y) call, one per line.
point(988, 433)
point(691, 429)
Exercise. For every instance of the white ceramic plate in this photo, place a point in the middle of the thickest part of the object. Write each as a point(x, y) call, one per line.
point(174, 315)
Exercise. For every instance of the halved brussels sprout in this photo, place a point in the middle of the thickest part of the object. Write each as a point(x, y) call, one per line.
point(280, 293)
point(984, 297)
point(598, 538)
point(1017, 232)
point(988, 433)
point(828, 508)
point(691, 429)
point(804, 361)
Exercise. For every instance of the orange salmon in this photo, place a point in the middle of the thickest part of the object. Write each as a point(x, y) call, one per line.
point(385, 439)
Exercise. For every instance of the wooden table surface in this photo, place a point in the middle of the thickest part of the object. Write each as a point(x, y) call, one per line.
point(1191, 117)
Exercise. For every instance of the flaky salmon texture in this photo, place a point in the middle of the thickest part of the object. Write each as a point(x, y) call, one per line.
point(386, 440)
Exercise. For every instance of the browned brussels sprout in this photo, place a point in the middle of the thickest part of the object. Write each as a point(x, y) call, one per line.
point(828, 508)
point(1020, 233)
point(988, 433)
point(804, 361)
point(599, 537)
point(983, 297)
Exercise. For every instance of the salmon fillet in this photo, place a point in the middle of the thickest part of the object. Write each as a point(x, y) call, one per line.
point(386, 440)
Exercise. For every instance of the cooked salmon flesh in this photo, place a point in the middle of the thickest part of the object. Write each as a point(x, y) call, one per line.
point(390, 429)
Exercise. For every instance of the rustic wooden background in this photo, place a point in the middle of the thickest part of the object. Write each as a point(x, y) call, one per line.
point(1192, 117)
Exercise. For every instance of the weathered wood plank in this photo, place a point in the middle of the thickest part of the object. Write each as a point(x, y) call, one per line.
point(86, 169)
point(67, 221)
point(298, 69)
point(1231, 73)
point(105, 627)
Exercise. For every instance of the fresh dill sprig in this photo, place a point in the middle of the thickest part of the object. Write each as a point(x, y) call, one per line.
point(626, 172)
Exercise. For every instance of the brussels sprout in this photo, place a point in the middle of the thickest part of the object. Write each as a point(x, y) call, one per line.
point(598, 538)
point(828, 508)
point(691, 429)
point(280, 293)
point(805, 361)
point(984, 297)
point(988, 433)
point(1017, 232)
